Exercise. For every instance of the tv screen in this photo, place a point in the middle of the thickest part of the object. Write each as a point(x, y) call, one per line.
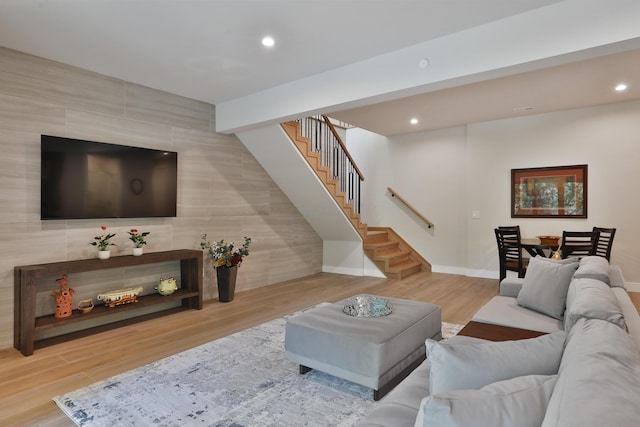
point(84, 179)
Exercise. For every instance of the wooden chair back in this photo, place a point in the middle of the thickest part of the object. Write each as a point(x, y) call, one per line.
point(578, 243)
point(604, 242)
point(510, 251)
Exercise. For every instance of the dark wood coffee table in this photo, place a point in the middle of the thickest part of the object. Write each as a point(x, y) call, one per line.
point(497, 332)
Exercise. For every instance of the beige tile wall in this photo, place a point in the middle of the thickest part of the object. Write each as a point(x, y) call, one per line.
point(222, 190)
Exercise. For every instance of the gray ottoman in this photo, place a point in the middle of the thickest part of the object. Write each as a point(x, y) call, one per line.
point(376, 352)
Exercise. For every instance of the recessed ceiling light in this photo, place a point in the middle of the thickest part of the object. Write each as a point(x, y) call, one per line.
point(413, 121)
point(268, 41)
point(621, 87)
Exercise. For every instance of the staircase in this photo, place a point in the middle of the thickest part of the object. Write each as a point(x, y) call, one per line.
point(392, 255)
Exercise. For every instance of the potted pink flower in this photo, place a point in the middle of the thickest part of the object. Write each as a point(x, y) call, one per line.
point(102, 243)
point(138, 240)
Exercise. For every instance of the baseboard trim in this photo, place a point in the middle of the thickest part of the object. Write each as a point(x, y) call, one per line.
point(483, 274)
point(343, 270)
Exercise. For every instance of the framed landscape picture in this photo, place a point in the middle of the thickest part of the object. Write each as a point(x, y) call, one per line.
point(549, 192)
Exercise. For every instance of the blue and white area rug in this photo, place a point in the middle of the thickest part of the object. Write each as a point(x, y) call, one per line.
point(237, 381)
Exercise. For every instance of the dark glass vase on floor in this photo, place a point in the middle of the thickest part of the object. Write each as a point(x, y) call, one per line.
point(226, 282)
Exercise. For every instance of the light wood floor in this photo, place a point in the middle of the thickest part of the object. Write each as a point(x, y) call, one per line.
point(29, 383)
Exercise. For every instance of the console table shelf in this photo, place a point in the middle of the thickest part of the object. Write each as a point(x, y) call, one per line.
point(50, 321)
point(26, 324)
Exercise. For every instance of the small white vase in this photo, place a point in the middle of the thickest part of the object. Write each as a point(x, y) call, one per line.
point(137, 251)
point(104, 254)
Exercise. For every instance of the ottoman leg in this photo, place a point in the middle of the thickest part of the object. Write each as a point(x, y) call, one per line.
point(304, 369)
point(379, 394)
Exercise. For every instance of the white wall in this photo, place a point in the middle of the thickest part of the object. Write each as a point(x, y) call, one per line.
point(446, 174)
point(427, 170)
point(342, 250)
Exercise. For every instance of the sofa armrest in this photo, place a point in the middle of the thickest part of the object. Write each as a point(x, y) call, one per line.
point(510, 286)
point(616, 280)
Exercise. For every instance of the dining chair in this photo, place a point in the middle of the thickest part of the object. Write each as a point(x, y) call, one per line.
point(510, 251)
point(578, 243)
point(604, 242)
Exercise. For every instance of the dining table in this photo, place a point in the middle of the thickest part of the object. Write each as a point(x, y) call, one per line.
point(534, 246)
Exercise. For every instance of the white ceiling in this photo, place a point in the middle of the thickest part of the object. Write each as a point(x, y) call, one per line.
point(574, 85)
point(210, 50)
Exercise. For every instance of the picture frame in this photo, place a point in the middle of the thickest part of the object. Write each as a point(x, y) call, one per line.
point(549, 192)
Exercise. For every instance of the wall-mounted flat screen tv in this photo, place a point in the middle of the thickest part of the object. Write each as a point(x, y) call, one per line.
point(84, 179)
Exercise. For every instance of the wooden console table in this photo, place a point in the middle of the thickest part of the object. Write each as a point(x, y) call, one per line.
point(26, 324)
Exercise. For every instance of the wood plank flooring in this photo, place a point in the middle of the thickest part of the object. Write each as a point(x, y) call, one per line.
point(29, 383)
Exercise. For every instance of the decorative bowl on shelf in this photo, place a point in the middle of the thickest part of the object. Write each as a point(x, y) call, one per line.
point(85, 305)
point(549, 240)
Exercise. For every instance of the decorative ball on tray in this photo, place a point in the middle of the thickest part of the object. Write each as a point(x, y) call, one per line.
point(367, 306)
point(549, 240)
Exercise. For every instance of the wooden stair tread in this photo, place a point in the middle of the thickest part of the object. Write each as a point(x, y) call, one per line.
point(378, 245)
point(404, 265)
point(376, 236)
point(396, 254)
point(398, 258)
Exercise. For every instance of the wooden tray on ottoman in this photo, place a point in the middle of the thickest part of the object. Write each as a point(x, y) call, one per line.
point(491, 332)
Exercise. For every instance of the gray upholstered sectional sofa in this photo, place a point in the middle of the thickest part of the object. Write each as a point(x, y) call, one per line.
point(584, 372)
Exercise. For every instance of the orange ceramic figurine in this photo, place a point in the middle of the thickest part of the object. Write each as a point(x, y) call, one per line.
point(64, 299)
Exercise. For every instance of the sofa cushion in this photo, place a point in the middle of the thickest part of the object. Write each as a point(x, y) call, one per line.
point(463, 339)
point(616, 279)
point(505, 311)
point(520, 401)
point(592, 299)
point(510, 286)
point(595, 260)
point(545, 286)
point(599, 378)
point(400, 406)
point(630, 313)
point(472, 366)
point(593, 267)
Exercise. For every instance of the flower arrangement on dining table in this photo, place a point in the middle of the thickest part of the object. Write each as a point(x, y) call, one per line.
point(138, 238)
point(102, 241)
point(225, 254)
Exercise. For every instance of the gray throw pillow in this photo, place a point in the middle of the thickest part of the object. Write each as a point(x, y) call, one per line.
point(545, 285)
point(593, 267)
point(521, 401)
point(569, 260)
point(592, 299)
point(472, 366)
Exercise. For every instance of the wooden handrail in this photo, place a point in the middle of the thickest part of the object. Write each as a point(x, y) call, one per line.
point(422, 217)
point(344, 148)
